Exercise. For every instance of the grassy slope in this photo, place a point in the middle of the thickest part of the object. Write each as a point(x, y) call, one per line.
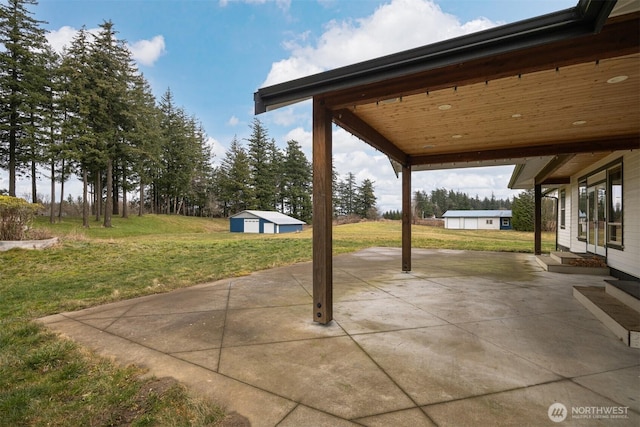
point(46, 378)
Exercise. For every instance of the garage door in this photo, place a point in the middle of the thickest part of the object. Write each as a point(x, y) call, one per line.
point(471, 223)
point(453, 223)
point(251, 225)
point(268, 228)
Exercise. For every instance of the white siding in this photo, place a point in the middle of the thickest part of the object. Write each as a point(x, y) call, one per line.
point(470, 223)
point(489, 223)
point(626, 260)
point(453, 223)
point(565, 235)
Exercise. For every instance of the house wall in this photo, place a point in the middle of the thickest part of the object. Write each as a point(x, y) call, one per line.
point(475, 223)
point(495, 223)
point(625, 260)
point(291, 228)
point(236, 225)
point(452, 223)
point(569, 233)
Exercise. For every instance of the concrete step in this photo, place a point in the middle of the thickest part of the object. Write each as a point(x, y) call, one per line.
point(554, 266)
point(564, 257)
point(626, 292)
point(621, 319)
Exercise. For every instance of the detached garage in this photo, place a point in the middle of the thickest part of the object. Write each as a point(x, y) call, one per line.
point(263, 222)
point(478, 220)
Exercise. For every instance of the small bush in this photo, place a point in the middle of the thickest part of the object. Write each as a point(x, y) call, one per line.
point(15, 217)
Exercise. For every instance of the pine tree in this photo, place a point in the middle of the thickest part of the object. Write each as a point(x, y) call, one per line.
point(262, 171)
point(297, 182)
point(21, 39)
point(522, 211)
point(365, 203)
point(233, 180)
point(78, 139)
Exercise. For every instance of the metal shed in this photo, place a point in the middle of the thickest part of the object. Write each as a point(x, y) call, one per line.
point(267, 222)
point(478, 219)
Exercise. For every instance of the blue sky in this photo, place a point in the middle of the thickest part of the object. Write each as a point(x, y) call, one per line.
point(214, 54)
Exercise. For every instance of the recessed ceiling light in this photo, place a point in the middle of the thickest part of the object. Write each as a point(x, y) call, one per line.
point(579, 122)
point(389, 101)
point(456, 136)
point(617, 79)
point(444, 107)
point(516, 115)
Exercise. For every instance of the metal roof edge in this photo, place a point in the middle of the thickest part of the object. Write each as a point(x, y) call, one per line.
point(585, 18)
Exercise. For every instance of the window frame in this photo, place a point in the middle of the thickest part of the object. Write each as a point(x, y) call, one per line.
point(563, 208)
point(615, 173)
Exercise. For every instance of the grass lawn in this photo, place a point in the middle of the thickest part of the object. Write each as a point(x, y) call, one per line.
point(48, 380)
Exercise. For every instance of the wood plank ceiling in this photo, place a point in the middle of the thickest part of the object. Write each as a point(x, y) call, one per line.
point(583, 98)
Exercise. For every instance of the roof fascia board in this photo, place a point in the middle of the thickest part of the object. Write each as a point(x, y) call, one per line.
point(565, 24)
point(596, 146)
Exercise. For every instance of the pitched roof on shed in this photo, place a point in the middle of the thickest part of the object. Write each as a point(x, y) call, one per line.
point(503, 213)
point(274, 217)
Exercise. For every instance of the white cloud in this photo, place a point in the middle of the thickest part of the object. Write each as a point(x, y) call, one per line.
point(233, 121)
point(61, 38)
point(147, 52)
point(217, 149)
point(393, 27)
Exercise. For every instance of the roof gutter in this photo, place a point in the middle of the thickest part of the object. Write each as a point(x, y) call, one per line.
point(587, 17)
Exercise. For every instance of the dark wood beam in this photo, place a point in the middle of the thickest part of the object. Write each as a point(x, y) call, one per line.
point(322, 214)
point(561, 180)
point(558, 148)
point(617, 38)
point(406, 218)
point(358, 127)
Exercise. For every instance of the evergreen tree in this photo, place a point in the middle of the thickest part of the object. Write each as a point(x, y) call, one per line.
point(111, 74)
point(297, 182)
point(234, 180)
point(523, 211)
point(365, 201)
point(79, 142)
point(262, 171)
point(21, 40)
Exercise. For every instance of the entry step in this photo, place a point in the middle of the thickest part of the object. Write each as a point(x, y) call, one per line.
point(570, 263)
point(620, 318)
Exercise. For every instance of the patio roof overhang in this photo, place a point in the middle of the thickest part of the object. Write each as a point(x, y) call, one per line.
point(545, 92)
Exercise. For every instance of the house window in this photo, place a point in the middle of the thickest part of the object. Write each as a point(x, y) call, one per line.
point(563, 208)
point(614, 219)
point(489, 221)
point(582, 210)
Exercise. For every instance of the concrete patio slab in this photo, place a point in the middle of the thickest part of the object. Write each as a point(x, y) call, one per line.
point(466, 338)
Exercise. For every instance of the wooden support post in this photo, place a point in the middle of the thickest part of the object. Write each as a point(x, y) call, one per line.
point(537, 215)
point(406, 218)
point(322, 214)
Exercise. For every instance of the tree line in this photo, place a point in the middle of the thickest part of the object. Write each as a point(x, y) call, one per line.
point(90, 112)
point(263, 177)
point(438, 201)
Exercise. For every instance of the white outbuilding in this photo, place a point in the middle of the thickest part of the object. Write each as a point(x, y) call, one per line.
point(478, 219)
